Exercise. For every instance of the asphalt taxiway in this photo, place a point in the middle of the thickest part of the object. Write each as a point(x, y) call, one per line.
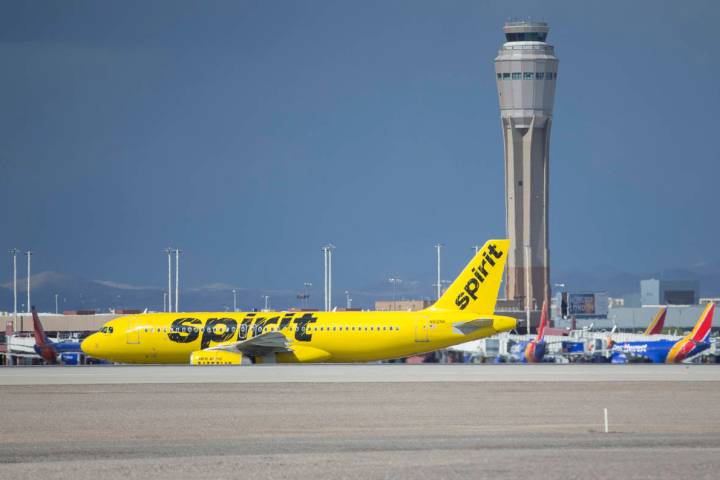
point(360, 421)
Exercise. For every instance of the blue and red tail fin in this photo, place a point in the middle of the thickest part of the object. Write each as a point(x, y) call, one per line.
point(543, 322)
point(43, 346)
point(658, 323)
point(701, 332)
point(40, 338)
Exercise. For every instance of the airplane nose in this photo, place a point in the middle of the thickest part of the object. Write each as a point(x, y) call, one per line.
point(90, 345)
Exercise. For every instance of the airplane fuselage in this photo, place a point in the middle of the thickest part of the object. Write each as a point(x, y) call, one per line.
point(312, 336)
point(657, 351)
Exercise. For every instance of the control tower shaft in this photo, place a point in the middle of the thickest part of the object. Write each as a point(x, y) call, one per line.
point(526, 72)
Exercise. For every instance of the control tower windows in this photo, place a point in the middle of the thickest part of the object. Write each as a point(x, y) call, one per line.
point(528, 76)
point(526, 37)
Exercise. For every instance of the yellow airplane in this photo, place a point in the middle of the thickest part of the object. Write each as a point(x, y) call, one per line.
point(465, 312)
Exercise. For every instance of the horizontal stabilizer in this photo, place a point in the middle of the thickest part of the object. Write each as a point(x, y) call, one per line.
point(466, 328)
point(264, 344)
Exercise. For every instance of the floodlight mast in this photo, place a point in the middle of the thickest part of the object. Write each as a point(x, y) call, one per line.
point(438, 246)
point(177, 280)
point(14, 252)
point(29, 256)
point(327, 253)
point(169, 252)
point(394, 282)
point(306, 295)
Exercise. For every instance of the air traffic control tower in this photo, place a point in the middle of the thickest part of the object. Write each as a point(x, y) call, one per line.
point(526, 72)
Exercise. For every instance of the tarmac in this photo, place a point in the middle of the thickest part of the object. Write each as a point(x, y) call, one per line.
point(360, 422)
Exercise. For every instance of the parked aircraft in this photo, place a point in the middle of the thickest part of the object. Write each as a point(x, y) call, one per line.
point(465, 312)
point(67, 353)
point(534, 350)
point(658, 323)
point(667, 351)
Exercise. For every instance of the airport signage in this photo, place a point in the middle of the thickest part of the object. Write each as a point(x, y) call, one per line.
point(585, 305)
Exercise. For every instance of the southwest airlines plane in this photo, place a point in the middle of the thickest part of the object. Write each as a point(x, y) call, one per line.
point(53, 352)
point(533, 351)
point(667, 351)
point(465, 312)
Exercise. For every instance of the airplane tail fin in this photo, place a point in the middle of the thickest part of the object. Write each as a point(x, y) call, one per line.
point(658, 323)
point(476, 288)
point(40, 337)
point(543, 322)
point(610, 341)
point(701, 332)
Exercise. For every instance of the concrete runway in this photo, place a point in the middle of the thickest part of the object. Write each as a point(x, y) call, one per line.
point(360, 421)
point(363, 373)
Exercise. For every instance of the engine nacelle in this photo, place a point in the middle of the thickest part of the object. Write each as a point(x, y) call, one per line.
point(217, 357)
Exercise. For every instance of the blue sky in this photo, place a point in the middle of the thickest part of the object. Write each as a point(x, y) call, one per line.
point(251, 133)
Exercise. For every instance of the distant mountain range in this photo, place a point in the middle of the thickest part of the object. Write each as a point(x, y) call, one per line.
point(76, 293)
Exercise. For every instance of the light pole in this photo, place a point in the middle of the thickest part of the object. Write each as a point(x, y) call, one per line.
point(177, 280)
point(394, 282)
point(348, 300)
point(306, 295)
point(14, 252)
point(234, 300)
point(165, 308)
point(169, 291)
point(327, 251)
point(528, 298)
point(56, 304)
point(438, 246)
point(476, 248)
point(29, 256)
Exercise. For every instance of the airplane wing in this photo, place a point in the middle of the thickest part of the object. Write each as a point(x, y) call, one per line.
point(467, 328)
point(264, 344)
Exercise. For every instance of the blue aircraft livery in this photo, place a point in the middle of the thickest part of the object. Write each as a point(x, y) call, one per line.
point(534, 350)
point(667, 351)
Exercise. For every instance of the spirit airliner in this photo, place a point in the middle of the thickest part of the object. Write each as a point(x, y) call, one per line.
point(465, 312)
